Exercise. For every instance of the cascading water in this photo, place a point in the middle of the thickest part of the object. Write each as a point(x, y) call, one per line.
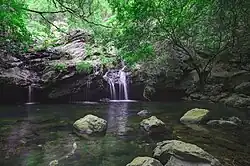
point(112, 89)
point(123, 93)
point(30, 94)
point(117, 77)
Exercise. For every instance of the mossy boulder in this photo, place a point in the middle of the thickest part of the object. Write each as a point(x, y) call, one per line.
point(144, 161)
point(90, 125)
point(195, 115)
point(185, 152)
point(153, 125)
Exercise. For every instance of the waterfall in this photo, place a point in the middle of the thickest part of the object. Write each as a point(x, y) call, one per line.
point(30, 94)
point(123, 85)
point(112, 89)
point(117, 77)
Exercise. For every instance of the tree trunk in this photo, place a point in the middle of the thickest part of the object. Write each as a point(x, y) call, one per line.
point(202, 79)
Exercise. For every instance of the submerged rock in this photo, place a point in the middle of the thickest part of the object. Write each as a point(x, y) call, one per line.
point(144, 161)
point(221, 122)
point(235, 120)
point(143, 113)
point(195, 115)
point(231, 121)
point(184, 152)
point(90, 125)
point(153, 125)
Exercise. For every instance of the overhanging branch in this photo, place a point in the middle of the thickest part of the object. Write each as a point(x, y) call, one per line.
point(44, 12)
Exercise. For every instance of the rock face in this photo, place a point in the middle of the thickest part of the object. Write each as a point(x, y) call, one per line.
point(237, 100)
point(153, 125)
point(185, 152)
point(144, 161)
point(243, 88)
point(195, 115)
point(54, 72)
point(90, 125)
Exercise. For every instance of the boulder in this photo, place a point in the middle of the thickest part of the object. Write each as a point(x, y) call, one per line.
point(185, 152)
point(144, 161)
point(143, 113)
point(153, 125)
point(243, 88)
point(195, 115)
point(237, 100)
point(90, 125)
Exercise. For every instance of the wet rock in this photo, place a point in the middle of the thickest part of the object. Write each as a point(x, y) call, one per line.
point(144, 161)
point(90, 125)
point(105, 100)
point(185, 152)
point(231, 121)
point(235, 120)
point(53, 163)
point(195, 115)
point(153, 125)
point(143, 113)
point(243, 88)
point(221, 123)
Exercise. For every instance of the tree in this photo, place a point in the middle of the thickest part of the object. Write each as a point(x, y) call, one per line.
point(201, 29)
point(13, 25)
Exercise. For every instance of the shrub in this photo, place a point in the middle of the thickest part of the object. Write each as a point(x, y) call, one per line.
point(84, 67)
point(60, 67)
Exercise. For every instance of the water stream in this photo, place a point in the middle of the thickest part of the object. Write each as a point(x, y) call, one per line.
point(117, 81)
point(29, 94)
point(35, 135)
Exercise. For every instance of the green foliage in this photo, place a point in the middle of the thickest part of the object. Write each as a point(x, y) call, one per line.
point(60, 67)
point(145, 51)
point(14, 33)
point(202, 25)
point(84, 67)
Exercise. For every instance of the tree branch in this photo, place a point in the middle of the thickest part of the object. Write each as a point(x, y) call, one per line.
point(52, 24)
point(44, 12)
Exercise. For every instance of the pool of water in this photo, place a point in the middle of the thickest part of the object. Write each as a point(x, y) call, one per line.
point(35, 135)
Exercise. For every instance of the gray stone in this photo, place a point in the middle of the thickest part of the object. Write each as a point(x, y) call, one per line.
point(184, 151)
point(153, 125)
point(90, 125)
point(144, 161)
point(195, 115)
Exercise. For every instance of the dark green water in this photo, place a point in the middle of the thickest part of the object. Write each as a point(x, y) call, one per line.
point(34, 135)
